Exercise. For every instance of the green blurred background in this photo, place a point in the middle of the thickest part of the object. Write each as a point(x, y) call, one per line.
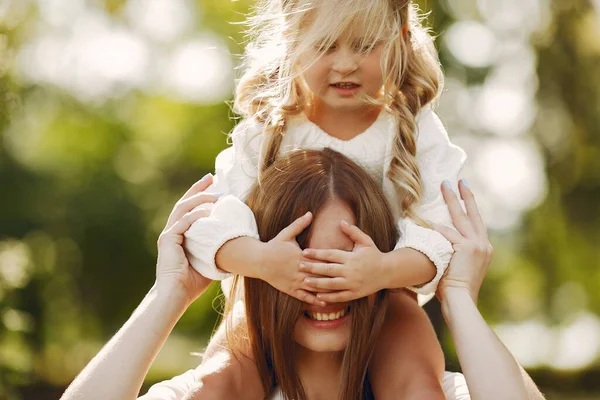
point(110, 110)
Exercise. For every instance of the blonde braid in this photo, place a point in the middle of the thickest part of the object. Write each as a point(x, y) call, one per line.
point(271, 145)
point(420, 83)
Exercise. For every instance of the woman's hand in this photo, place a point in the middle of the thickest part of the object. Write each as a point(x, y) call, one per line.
point(173, 270)
point(345, 275)
point(118, 371)
point(472, 249)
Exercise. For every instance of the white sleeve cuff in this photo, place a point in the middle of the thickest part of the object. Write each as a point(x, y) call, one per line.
point(230, 218)
point(432, 244)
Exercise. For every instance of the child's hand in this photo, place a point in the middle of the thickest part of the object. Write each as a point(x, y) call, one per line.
point(348, 275)
point(281, 259)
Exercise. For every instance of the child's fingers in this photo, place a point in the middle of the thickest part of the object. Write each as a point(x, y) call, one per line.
point(309, 298)
point(324, 269)
point(327, 255)
point(452, 235)
point(337, 283)
point(337, 297)
point(185, 206)
point(295, 228)
point(459, 218)
point(355, 234)
point(472, 210)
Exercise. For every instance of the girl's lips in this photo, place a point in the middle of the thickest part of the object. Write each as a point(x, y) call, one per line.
point(343, 91)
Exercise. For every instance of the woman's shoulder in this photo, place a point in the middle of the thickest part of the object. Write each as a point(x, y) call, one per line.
point(173, 389)
point(453, 384)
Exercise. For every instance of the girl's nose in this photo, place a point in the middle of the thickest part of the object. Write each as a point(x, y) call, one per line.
point(344, 61)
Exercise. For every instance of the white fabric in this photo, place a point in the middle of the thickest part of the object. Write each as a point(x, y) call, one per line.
point(453, 384)
point(236, 171)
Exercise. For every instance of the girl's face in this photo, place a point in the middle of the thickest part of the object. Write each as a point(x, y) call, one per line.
point(343, 73)
point(331, 333)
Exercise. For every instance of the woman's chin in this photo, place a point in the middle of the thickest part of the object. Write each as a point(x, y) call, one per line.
point(323, 336)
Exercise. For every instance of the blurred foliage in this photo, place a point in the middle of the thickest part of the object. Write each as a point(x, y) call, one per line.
point(86, 188)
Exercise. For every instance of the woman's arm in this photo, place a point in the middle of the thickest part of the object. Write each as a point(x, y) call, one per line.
point(490, 369)
point(118, 370)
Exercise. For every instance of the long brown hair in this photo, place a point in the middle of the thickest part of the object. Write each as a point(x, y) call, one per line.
point(307, 180)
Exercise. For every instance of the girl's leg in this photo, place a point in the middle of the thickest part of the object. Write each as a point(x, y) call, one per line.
point(224, 376)
point(408, 362)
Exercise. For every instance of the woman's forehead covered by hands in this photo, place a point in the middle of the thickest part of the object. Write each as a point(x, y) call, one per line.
point(326, 232)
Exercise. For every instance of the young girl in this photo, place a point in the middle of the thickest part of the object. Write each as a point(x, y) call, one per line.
point(357, 76)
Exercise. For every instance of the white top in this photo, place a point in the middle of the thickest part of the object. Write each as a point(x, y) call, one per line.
point(236, 171)
point(453, 384)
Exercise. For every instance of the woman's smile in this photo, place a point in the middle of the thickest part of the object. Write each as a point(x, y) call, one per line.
point(330, 317)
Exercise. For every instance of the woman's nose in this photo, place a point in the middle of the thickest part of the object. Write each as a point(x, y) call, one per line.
point(345, 61)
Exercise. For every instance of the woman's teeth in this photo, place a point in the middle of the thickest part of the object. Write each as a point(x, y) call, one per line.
point(327, 316)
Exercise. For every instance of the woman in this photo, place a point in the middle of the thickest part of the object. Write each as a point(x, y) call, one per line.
point(302, 356)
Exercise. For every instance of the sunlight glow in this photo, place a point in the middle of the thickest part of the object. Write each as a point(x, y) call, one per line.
point(200, 71)
point(513, 173)
point(472, 43)
point(161, 20)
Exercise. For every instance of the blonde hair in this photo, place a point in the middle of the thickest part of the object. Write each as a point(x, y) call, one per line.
point(271, 88)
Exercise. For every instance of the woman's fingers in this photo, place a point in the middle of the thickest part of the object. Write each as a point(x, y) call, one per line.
point(450, 234)
point(330, 284)
point(199, 186)
point(186, 221)
point(355, 234)
point(459, 218)
point(472, 210)
point(324, 269)
point(295, 228)
point(185, 206)
point(329, 255)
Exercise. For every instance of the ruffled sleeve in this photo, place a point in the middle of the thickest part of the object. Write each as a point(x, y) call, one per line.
point(438, 160)
point(235, 174)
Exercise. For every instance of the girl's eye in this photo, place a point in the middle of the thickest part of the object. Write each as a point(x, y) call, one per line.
point(324, 49)
point(365, 49)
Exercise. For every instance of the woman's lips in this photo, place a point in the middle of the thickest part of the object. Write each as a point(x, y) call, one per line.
point(327, 319)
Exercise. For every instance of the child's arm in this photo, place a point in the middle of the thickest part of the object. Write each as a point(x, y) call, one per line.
point(235, 174)
point(276, 262)
point(421, 255)
point(227, 242)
